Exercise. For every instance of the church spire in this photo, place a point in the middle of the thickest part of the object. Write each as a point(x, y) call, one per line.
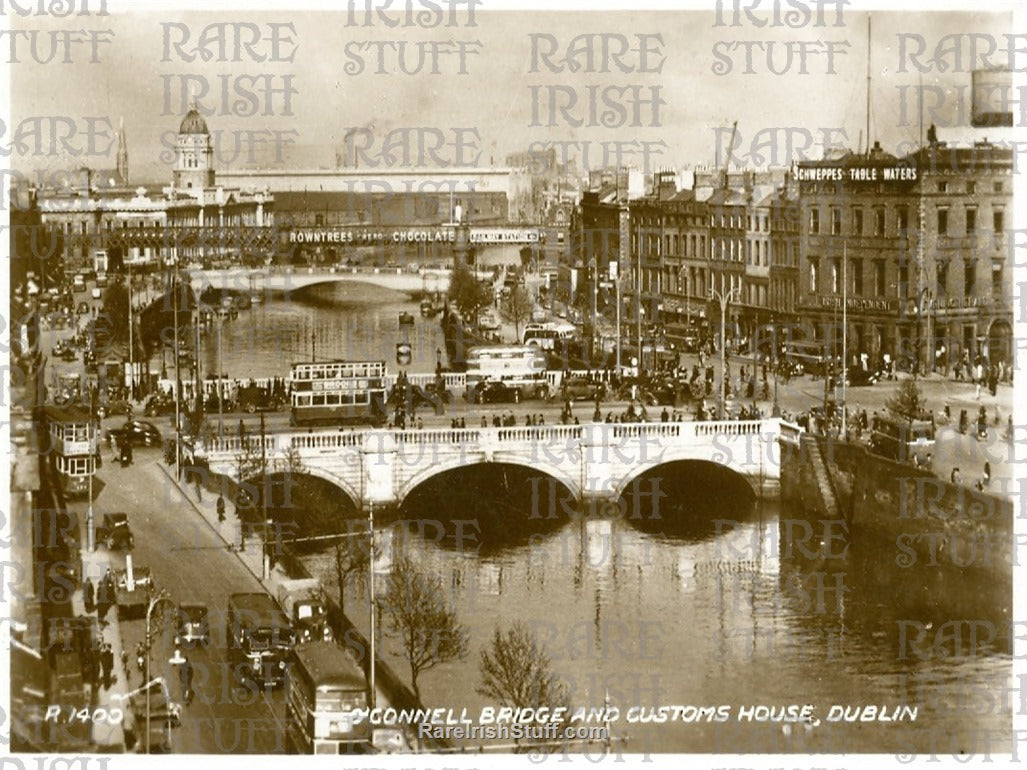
point(122, 153)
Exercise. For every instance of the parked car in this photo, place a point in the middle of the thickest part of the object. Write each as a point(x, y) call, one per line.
point(141, 433)
point(856, 377)
point(495, 392)
point(192, 625)
point(252, 398)
point(115, 532)
point(581, 389)
point(158, 405)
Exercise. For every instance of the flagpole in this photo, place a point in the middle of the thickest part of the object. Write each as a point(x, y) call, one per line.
point(845, 334)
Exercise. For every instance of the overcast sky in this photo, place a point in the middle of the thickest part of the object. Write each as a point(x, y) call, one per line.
point(495, 97)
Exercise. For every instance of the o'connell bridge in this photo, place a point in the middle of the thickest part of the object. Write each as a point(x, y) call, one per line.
point(596, 461)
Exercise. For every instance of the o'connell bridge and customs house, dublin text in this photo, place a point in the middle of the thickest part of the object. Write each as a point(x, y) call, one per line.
point(565, 384)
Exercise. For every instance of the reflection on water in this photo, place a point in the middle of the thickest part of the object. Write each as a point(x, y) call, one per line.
point(338, 320)
point(738, 619)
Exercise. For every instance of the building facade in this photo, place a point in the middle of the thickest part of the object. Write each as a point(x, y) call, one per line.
point(914, 247)
point(194, 218)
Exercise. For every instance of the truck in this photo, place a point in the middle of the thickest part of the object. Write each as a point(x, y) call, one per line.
point(259, 638)
point(132, 587)
point(302, 600)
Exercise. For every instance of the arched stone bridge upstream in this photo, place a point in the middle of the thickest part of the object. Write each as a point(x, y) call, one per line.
point(596, 462)
point(265, 280)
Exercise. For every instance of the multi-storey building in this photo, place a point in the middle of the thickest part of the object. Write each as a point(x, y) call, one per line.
point(916, 249)
point(784, 254)
point(685, 282)
point(193, 217)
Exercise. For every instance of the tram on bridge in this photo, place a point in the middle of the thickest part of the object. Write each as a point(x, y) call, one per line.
point(338, 392)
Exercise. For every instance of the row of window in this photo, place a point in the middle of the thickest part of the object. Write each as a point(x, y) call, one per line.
point(861, 224)
point(356, 398)
point(855, 278)
point(79, 465)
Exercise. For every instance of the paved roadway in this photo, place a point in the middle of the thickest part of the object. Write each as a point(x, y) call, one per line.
point(189, 560)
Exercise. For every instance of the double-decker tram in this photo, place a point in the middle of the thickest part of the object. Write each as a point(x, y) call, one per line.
point(522, 367)
point(325, 691)
point(338, 392)
point(73, 435)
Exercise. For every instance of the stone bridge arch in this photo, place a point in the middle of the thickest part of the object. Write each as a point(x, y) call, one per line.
point(752, 474)
point(556, 473)
point(324, 474)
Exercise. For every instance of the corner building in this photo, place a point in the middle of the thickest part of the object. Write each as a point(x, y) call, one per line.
point(916, 247)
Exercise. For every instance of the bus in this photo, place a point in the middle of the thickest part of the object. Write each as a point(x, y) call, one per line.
point(519, 366)
point(338, 392)
point(324, 688)
point(259, 638)
point(73, 438)
point(902, 440)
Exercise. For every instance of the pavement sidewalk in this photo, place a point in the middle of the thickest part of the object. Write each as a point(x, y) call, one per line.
point(108, 736)
point(204, 502)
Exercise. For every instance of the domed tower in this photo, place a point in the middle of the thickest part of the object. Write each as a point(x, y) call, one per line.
point(194, 153)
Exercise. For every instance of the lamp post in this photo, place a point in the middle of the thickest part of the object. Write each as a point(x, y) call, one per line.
point(594, 272)
point(370, 591)
point(131, 339)
point(178, 381)
point(615, 277)
point(638, 314)
point(161, 596)
point(221, 389)
point(724, 300)
point(776, 410)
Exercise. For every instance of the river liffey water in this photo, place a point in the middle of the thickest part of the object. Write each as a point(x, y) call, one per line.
point(716, 608)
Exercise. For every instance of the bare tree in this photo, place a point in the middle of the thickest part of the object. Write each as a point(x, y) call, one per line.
point(908, 401)
point(352, 556)
point(518, 307)
point(417, 617)
point(516, 671)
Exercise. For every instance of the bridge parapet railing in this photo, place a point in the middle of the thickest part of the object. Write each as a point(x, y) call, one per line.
point(456, 380)
point(326, 440)
point(730, 428)
point(232, 444)
point(649, 429)
point(539, 434)
point(449, 436)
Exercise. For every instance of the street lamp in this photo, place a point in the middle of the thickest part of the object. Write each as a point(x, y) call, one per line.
point(221, 388)
point(161, 596)
point(724, 300)
point(615, 277)
point(370, 591)
point(594, 274)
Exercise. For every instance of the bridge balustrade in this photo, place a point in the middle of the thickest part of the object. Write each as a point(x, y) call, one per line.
point(326, 440)
point(648, 429)
point(451, 436)
point(237, 444)
point(729, 428)
point(539, 433)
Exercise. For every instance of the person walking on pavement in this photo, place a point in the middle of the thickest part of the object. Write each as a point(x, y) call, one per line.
point(107, 665)
point(89, 595)
point(141, 660)
point(185, 675)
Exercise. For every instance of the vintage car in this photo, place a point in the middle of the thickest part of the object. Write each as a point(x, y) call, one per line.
point(115, 532)
point(192, 625)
